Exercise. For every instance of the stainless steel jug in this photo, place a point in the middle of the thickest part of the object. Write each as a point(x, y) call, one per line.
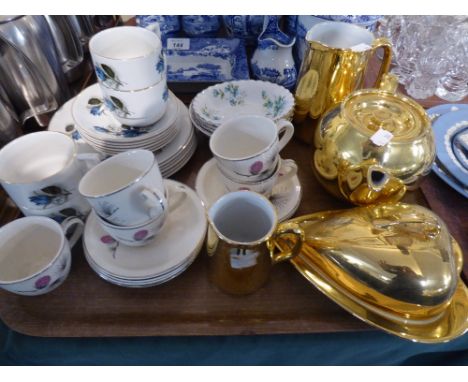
point(9, 122)
point(30, 69)
point(66, 36)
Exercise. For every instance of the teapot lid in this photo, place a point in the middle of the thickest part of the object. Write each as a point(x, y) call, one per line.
point(370, 110)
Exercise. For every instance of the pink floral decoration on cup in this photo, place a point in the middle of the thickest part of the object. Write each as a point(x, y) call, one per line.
point(140, 235)
point(107, 239)
point(42, 282)
point(256, 167)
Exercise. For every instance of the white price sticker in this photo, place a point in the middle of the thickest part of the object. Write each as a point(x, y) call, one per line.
point(243, 258)
point(178, 44)
point(381, 137)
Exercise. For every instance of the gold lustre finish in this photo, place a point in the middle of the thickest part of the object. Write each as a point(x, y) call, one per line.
point(373, 146)
point(395, 266)
point(329, 74)
point(243, 268)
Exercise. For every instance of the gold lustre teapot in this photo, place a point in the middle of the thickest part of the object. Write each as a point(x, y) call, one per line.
point(373, 146)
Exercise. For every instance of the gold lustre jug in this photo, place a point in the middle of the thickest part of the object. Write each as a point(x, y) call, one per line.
point(334, 66)
point(373, 146)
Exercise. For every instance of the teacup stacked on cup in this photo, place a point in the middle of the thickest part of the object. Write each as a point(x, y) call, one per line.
point(128, 196)
point(247, 150)
point(130, 67)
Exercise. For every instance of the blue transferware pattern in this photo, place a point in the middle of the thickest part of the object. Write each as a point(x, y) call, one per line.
point(291, 25)
point(49, 196)
point(244, 27)
point(201, 25)
point(272, 60)
point(208, 60)
point(168, 25)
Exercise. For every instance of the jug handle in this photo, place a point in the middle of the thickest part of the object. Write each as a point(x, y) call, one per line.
point(286, 228)
point(384, 43)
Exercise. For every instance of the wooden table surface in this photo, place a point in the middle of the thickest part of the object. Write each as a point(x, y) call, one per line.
point(86, 305)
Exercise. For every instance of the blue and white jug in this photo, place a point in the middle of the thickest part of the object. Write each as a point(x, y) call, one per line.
point(273, 60)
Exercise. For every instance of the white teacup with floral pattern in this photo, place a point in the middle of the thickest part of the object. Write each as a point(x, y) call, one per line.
point(41, 171)
point(35, 256)
point(137, 107)
point(142, 234)
point(285, 170)
point(249, 145)
point(128, 58)
point(126, 189)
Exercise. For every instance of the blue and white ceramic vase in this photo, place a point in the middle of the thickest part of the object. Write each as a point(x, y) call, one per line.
point(273, 60)
point(168, 25)
point(201, 26)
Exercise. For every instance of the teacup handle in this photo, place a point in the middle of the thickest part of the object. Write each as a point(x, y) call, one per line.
point(155, 28)
point(287, 228)
point(176, 196)
point(89, 159)
point(287, 129)
point(154, 200)
point(67, 224)
point(289, 167)
point(386, 45)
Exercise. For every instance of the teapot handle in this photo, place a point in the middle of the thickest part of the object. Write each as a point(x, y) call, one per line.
point(386, 45)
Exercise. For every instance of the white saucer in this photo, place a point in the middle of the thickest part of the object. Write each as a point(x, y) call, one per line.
point(175, 247)
point(62, 121)
point(102, 126)
point(209, 186)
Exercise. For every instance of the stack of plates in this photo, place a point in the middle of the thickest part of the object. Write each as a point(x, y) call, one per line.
point(219, 103)
point(450, 125)
point(171, 157)
point(171, 253)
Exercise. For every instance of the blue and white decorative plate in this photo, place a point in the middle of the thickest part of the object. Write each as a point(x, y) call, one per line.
point(206, 60)
point(446, 128)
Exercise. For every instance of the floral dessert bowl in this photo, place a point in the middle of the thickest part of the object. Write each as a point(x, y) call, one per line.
point(219, 103)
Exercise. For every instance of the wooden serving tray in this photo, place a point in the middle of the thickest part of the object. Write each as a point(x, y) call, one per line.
point(86, 305)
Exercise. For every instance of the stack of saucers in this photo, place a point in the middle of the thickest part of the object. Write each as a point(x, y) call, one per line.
point(222, 102)
point(104, 133)
point(167, 256)
point(171, 138)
